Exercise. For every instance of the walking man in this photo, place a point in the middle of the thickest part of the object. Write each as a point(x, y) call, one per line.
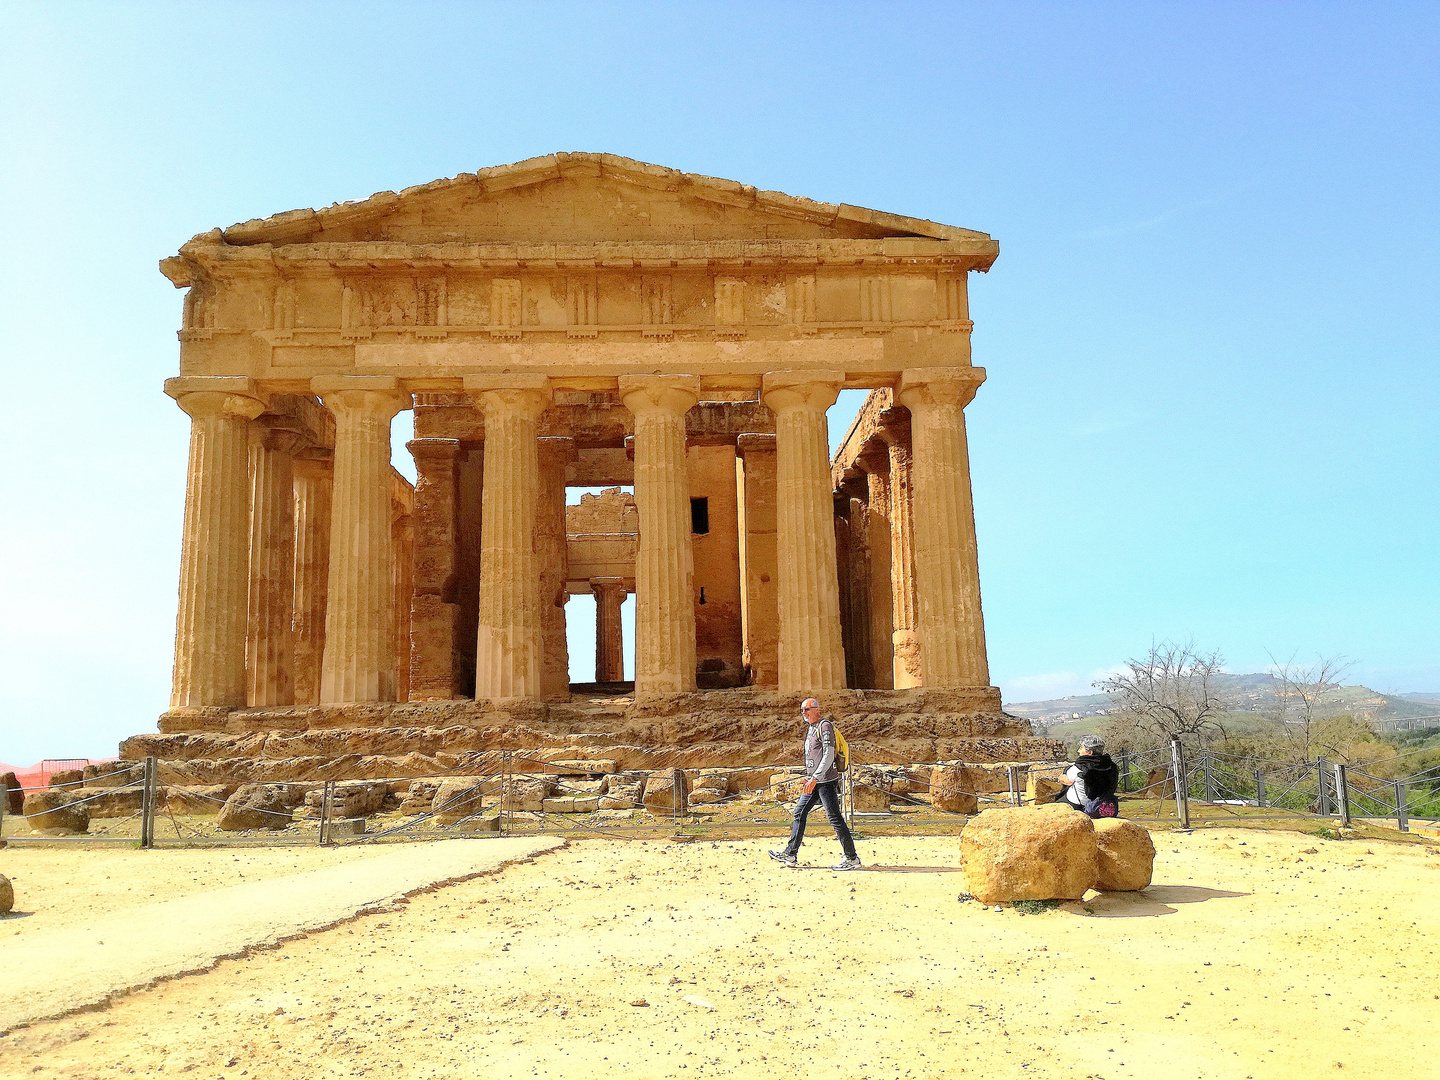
point(822, 784)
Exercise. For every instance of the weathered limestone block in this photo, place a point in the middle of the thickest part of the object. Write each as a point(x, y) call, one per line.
point(571, 804)
point(55, 808)
point(65, 777)
point(528, 794)
point(1125, 859)
point(702, 795)
point(952, 789)
point(1159, 784)
point(113, 774)
point(200, 799)
point(256, 806)
point(870, 789)
point(583, 766)
point(12, 793)
point(110, 802)
point(457, 797)
point(660, 793)
point(1043, 783)
point(786, 786)
point(1029, 853)
point(623, 791)
point(719, 779)
point(419, 797)
point(357, 799)
point(7, 895)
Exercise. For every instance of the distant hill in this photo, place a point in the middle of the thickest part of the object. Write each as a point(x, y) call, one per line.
point(1254, 693)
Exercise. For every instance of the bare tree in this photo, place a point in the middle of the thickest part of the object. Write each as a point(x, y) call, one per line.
point(1307, 700)
point(1173, 690)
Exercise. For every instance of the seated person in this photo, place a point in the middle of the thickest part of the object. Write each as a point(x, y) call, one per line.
point(1091, 782)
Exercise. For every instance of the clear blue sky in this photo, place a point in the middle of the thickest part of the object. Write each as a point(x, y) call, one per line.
point(1211, 333)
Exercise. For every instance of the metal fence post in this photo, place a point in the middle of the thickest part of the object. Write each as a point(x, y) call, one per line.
point(326, 797)
point(1342, 793)
point(1322, 796)
point(1208, 763)
point(1182, 794)
point(1402, 812)
point(147, 804)
point(1014, 785)
point(1259, 788)
point(504, 791)
point(1125, 770)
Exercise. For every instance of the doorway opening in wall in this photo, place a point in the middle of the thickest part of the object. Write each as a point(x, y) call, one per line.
point(602, 532)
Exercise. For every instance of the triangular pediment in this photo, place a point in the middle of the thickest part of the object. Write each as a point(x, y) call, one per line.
point(582, 198)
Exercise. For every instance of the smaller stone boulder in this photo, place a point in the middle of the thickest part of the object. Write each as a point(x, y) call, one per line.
point(526, 794)
point(456, 798)
point(419, 797)
point(786, 786)
point(65, 777)
point(870, 790)
point(571, 804)
point(12, 793)
point(255, 806)
point(1043, 783)
point(7, 894)
point(1125, 856)
point(1029, 853)
point(53, 808)
point(953, 788)
point(1159, 784)
point(623, 791)
point(660, 793)
point(111, 802)
point(202, 799)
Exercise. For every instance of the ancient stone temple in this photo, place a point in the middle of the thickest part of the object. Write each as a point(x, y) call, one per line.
point(576, 320)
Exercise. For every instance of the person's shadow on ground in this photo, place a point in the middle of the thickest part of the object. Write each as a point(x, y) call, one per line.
point(1156, 900)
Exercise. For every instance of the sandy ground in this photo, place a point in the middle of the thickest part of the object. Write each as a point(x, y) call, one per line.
point(1255, 954)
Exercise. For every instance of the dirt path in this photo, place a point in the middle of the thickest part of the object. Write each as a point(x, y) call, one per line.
point(1252, 956)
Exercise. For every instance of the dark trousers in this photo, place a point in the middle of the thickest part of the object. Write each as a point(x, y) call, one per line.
point(827, 793)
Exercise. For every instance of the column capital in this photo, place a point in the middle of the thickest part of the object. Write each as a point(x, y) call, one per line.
point(939, 386)
point(818, 389)
point(527, 394)
point(607, 583)
point(217, 395)
point(660, 393)
point(437, 453)
point(751, 443)
point(380, 396)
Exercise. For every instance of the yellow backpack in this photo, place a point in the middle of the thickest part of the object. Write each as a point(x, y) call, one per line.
point(842, 750)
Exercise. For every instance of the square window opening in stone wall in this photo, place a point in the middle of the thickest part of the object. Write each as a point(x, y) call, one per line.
point(700, 516)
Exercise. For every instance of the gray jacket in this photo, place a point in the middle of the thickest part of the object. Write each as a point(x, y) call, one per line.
point(820, 752)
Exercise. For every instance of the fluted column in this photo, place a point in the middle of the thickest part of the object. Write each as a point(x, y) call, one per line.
point(508, 650)
point(214, 562)
point(762, 605)
point(556, 452)
point(908, 665)
point(434, 613)
point(665, 563)
point(359, 658)
point(947, 574)
point(312, 571)
point(609, 640)
point(811, 654)
point(876, 466)
point(269, 634)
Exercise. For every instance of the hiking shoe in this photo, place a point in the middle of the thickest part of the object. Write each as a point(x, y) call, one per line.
point(848, 864)
point(784, 858)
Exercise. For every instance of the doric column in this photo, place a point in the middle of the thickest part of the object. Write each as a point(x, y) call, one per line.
point(876, 466)
point(609, 641)
point(269, 633)
point(312, 570)
point(811, 654)
point(762, 589)
point(402, 562)
point(508, 647)
point(214, 562)
point(665, 563)
point(947, 574)
point(434, 615)
point(359, 659)
point(556, 452)
point(905, 638)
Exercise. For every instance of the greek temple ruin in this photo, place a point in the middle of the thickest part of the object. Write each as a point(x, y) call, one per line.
point(575, 320)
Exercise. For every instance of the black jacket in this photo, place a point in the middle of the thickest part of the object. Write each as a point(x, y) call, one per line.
point(1100, 774)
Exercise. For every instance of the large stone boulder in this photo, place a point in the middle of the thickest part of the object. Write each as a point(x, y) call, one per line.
point(870, 790)
point(7, 894)
point(351, 799)
point(623, 791)
point(113, 774)
point(54, 808)
point(953, 788)
point(111, 802)
point(786, 786)
point(419, 797)
point(1029, 853)
point(660, 792)
point(255, 806)
point(1159, 784)
point(12, 793)
point(456, 798)
point(67, 777)
point(198, 799)
point(1125, 856)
